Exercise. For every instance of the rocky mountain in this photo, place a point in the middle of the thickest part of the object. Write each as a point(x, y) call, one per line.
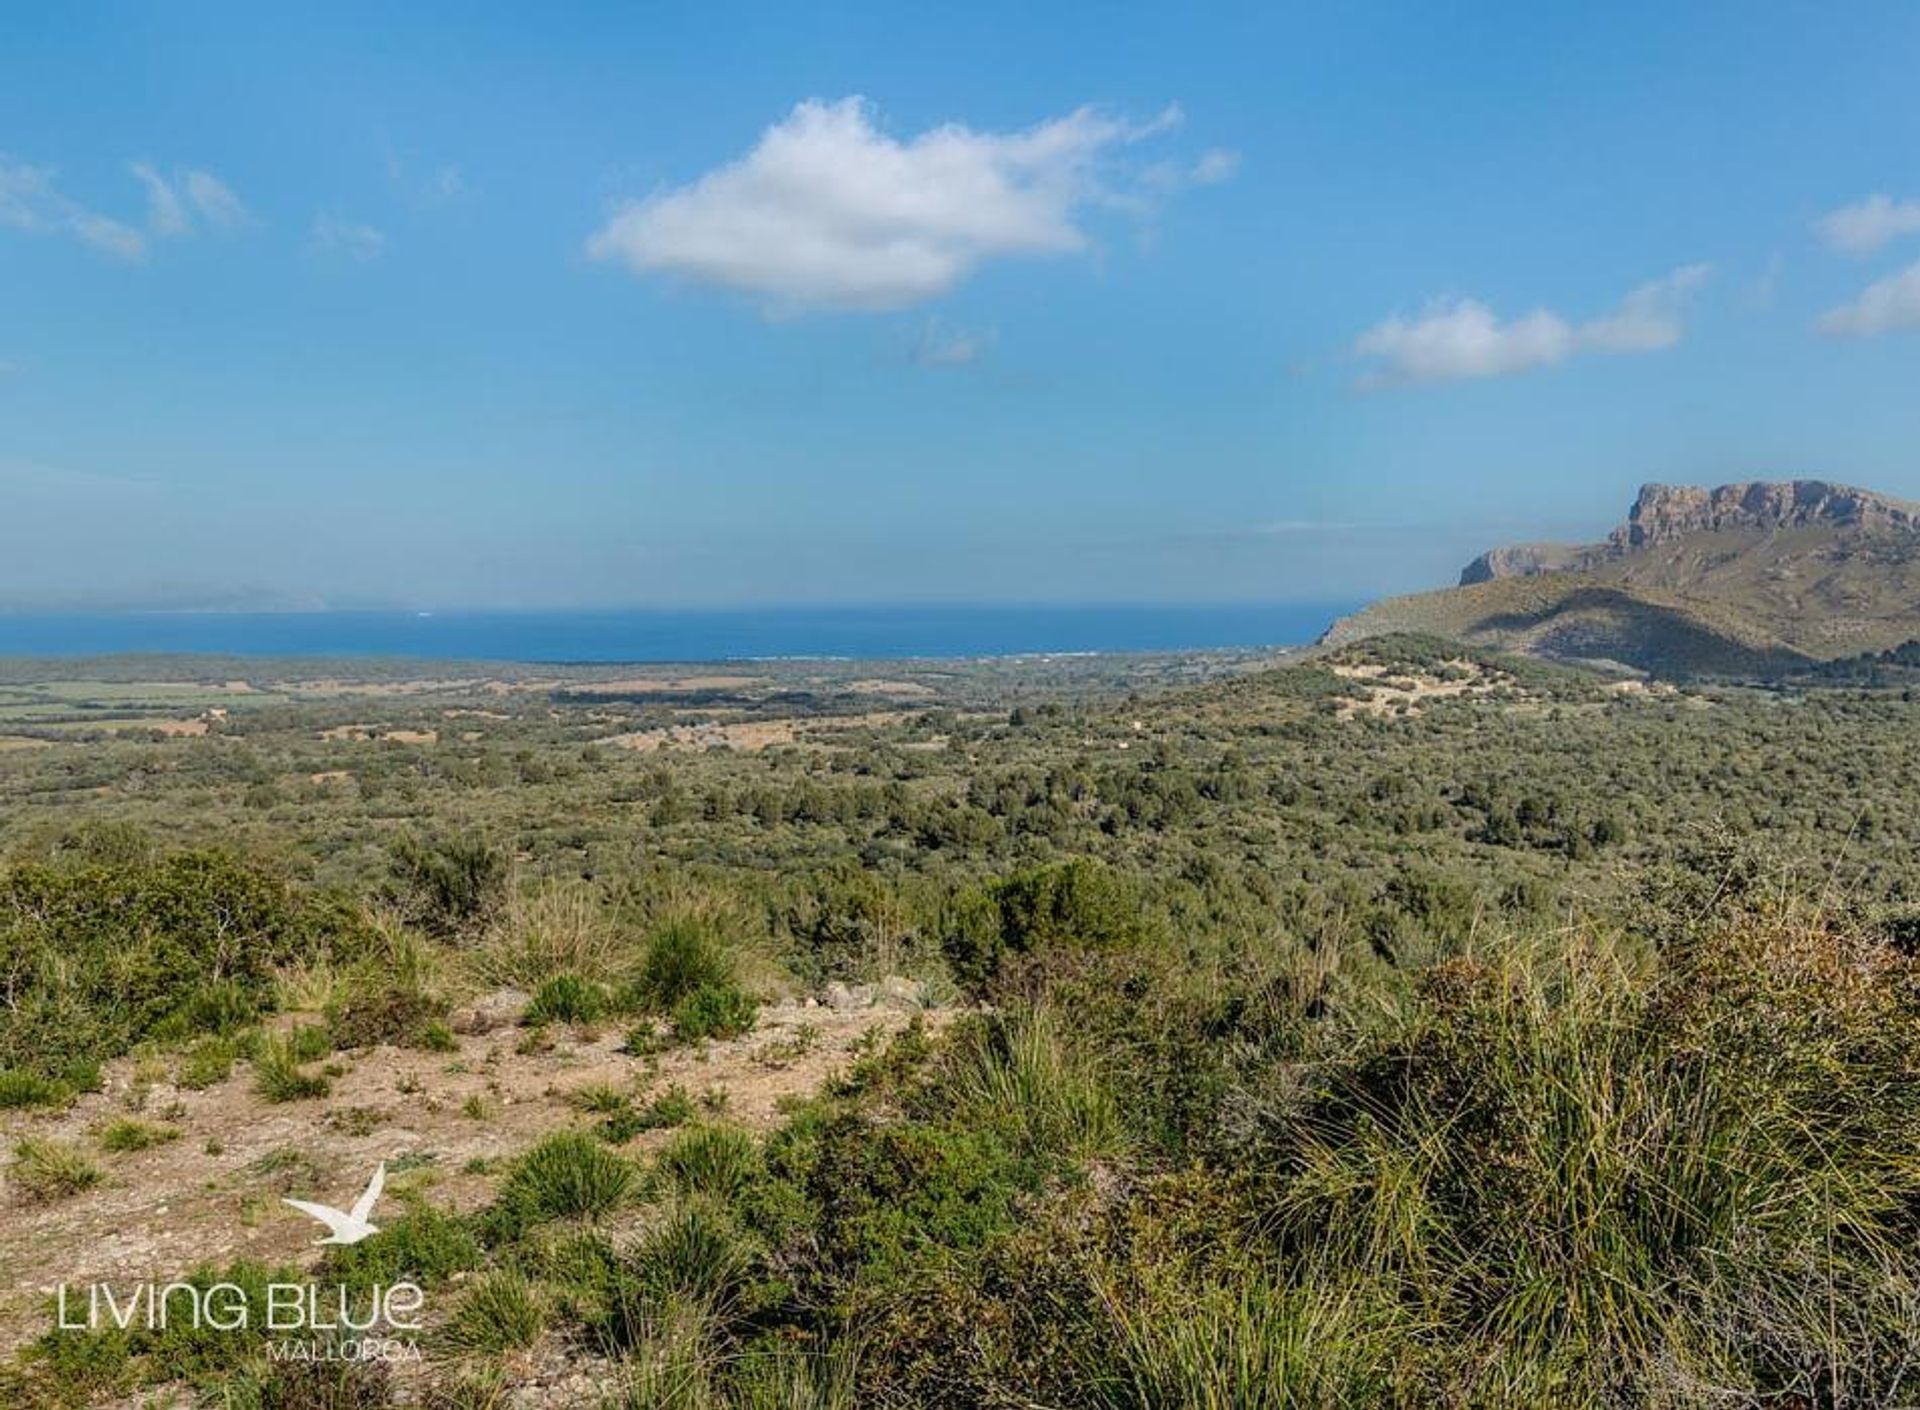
point(1758, 578)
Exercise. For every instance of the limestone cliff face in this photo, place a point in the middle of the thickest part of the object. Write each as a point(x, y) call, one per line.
point(1525, 560)
point(1663, 513)
point(1758, 580)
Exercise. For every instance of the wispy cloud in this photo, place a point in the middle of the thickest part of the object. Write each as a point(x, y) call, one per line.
point(1864, 226)
point(178, 204)
point(348, 238)
point(446, 183)
point(1890, 305)
point(938, 345)
point(828, 211)
point(166, 212)
point(30, 202)
point(1461, 338)
point(215, 201)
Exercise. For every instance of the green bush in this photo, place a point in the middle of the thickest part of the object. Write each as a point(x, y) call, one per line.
point(566, 1176)
point(449, 884)
point(277, 1073)
point(567, 998)
point(376, 1007)
point(714, 1011)
point(95, 959)
point(672, 1107)
point(207, 1062)
point(423, 1245)
point(126, 1134)
point(710, 1160)
point(499, 1312)
point(1079, 904)
point(21, 1089)
point(682, 957)
point(44, 1170)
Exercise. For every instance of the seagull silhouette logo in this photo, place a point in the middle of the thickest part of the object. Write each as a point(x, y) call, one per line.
point(349, 1226)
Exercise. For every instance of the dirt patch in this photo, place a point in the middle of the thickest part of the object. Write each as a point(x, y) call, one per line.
point(752, 735)
point(374, 734)
point(180, 729)
point(1402, 692)
point(665, 683)
point(214, 1193)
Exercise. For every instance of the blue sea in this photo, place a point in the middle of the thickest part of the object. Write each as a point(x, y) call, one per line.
point(672, 634)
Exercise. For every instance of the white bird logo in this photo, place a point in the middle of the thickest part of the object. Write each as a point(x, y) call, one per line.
point(350, 1226)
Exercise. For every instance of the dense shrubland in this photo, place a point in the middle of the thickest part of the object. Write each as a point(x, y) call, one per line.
point(1548, 1048)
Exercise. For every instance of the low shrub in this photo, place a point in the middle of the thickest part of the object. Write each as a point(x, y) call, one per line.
point(207, 1062)
point(277, 1073)
point(449, 884)
point(373, 1008)
point(710, 1160)
point(127, 1134)
point(682, 957)
point(499, 1312)
point(567, 1176)
point(714, 1011)
point(424, 1245)
point(24, 1089)
point(100, 957)
point(45, 1170)
point(567, 998)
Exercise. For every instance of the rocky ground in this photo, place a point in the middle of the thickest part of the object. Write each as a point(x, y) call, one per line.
point(440, 1121)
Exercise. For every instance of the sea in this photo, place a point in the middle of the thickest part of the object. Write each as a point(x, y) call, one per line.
point(665, 634)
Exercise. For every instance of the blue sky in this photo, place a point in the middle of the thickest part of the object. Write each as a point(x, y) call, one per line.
point(616, 304)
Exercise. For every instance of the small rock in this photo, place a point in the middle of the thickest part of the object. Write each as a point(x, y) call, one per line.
point(898, 992)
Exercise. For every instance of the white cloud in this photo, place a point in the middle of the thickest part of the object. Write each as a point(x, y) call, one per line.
point(1864, 226)
point(1651, 317)
point(829, 211)
point(215, 201)
point(1462, 338)
point(30, 202)
point(1215, 166)
point(941, 346)
point(166, 212)
point(1889, 305)
point(172, 203)
point(358, 242)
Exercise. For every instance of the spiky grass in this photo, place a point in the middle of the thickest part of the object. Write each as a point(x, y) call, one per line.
point(710, 1160)
point(500, 1311)
point(127, 1134)
point(278, 1075)
point(1020, 1073)
point(566, 1176)
point(45, 1170)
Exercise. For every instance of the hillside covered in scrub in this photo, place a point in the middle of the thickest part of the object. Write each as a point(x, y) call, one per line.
point(1753, 580)
point(1411, 1025)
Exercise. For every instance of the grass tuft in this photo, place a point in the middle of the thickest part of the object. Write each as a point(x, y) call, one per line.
point(45, 1170)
